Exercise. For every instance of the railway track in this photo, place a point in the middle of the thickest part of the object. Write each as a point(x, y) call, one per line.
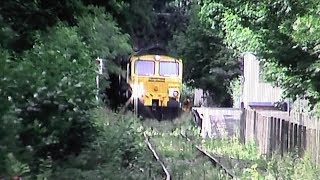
point(180, 158)
point(156, 156)
point(212, 158)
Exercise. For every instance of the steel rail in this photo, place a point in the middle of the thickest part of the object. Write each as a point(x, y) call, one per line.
point(164, 168)
point(213, 160)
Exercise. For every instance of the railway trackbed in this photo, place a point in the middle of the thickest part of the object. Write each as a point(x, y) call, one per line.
point(214, 159)
point(166, 173)
point(180, 158)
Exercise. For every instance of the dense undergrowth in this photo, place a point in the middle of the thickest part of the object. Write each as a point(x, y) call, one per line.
point(48, 127)
point(181, 158)
point(243, 160)
point(118, 152)
point(249, 164)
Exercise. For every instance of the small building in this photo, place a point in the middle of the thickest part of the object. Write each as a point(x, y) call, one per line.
point(256, 93)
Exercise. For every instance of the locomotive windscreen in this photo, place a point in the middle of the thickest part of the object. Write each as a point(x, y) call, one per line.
point(169, 69)
point(144, 68)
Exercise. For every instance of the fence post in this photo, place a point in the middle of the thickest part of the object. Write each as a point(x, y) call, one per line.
point(295, 135)
point(304, 138)
point(300, 140)
point(254, 126)
point(313, 144)
point(284, 136)
point(290, 135)
point(271, 136)
point(277, 134)
point(317, 141)
point(243, 120)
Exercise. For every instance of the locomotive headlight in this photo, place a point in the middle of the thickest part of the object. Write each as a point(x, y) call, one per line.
point(157, 57)
point(173, 92)
point(137, 90)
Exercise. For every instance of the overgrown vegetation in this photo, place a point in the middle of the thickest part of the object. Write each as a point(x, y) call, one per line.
point(245, 161)
point(47, 91)
point(48, 126)
point(283, 33)
point(209, 64)
point(180, 156)
point(235, 90)
point(118, 152)
point(248, 164)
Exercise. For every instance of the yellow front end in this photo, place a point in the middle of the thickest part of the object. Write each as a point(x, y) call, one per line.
point(154, 79)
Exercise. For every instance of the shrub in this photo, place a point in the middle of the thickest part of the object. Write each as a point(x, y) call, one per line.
point(47, 92)
point(118, 152)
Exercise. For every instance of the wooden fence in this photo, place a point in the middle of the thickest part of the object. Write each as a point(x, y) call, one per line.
point(275, 131)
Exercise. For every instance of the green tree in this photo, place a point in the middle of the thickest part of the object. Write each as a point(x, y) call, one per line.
point(277, 31)
point(49, 90)
point(25, 17)
point(208, 63)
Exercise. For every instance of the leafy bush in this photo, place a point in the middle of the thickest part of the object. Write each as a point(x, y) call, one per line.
point(235, 91)
point(208, 63)
point(103, 37)
point(48, 91)
point(186, 91)
point(118, 152)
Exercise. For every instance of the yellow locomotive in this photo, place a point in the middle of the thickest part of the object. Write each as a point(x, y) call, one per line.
point(155, 81)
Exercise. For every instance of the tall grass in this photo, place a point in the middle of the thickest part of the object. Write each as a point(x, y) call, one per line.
point(255, 166)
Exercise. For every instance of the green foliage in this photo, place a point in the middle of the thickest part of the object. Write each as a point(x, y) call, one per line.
point(104, 39)
point(235, 91)
point(47, 92)
point(208, 63)
point(232, 148)
point(287, 167)
point(282, 32)
point(186, 91)
point(134, 17)
point(23, 17)
point(118, 152)
point(103, 36)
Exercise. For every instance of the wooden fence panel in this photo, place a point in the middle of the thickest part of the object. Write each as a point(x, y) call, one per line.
point(313, 143)
point(317, 146)
point(318, 139)
point(279, 132)
point(309, 141)
point(272, 136)
point(290, 137)
point(249, 126)
point(264, 135)
point(243, 126)
point(304, 138)
point(295, 136)
point(300, 139)
point(285, 136)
